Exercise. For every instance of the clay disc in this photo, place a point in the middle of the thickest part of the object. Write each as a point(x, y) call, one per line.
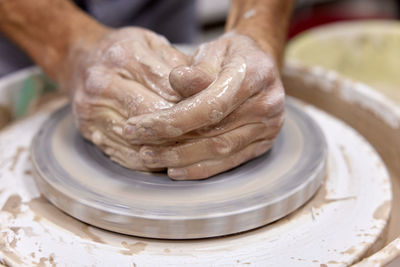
point(80, 180)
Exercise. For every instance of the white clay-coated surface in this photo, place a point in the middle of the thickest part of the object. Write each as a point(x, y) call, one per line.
point(336, 227)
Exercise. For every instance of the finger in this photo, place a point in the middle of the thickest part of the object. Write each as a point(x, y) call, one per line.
point(209, 58)
point(104, 119)
point(267, 106)
point(172, 56)
point(208, 107)
point(135, 60)
point(206, 64)
point(134, 98)
point(209, 168)
point(127, 156)
point(207, 148)
point(103, 134)
point(109, 109)
point(125, 96)
point(188, 81)
point(160, 45)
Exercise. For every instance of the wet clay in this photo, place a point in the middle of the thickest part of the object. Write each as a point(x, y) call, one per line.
point(45, 210)
point(382, 211)
point(27, 230)
point(16, 157)
point(394, 222)
point(143, 248)
point(12, 205)
point(44, 262)
point(14, 258)
point(385, 139)
point(134, 248)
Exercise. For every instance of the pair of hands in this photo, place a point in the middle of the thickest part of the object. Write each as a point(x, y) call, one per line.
point(150, 107)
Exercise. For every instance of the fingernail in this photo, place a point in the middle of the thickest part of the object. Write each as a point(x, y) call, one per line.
point(177, 174)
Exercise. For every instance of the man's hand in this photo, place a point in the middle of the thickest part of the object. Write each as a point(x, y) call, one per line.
point(234, 119)
point(124, 75)
point(233, 106)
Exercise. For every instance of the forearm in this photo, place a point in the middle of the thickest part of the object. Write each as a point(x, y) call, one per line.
point(47, 30)
point(266, 21)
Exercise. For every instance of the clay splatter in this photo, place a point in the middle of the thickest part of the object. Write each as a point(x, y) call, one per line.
point(28, 231)
point(349, 251)
point(134, 248)
point(382, 211)
point(16, 157)
point(12, 205)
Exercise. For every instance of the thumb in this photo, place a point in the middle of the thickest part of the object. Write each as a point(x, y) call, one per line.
point(188, 81)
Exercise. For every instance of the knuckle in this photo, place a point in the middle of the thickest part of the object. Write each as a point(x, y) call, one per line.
point(148, 156)
point(115, 54)
point(222, 145)
point(262, 71)
point(271, 123)
point(84, 128)
point(97, 80)
point(264, 104)
point(271, 104)
point(174, 155)
point(216, 110)
point(130, 103)
point(97, 138)
point(273, 127)
point(160, 157)
point(81, 106)
point(263, 147)
point(216, 115)
point(266, 78)
point(199, 171)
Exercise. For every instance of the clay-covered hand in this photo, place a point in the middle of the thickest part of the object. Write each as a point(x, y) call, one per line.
point(124, 75)
point(235, 118)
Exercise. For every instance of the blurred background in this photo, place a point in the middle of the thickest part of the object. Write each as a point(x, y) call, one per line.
point(358, 39)
point(364, 46)
point(198, 21)
point(307, 14)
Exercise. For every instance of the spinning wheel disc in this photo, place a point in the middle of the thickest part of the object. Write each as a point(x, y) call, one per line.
point(80, 180)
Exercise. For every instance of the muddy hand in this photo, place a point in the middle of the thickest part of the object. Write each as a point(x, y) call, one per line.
point(124, 75)
point(234, 119)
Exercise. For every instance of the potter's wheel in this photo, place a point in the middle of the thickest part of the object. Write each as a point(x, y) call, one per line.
point(80, 180)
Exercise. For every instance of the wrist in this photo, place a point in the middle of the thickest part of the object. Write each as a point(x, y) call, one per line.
point(48, 30)
point(264, 42)
point(74, 58)
point(80, 40)
point(266, 22)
